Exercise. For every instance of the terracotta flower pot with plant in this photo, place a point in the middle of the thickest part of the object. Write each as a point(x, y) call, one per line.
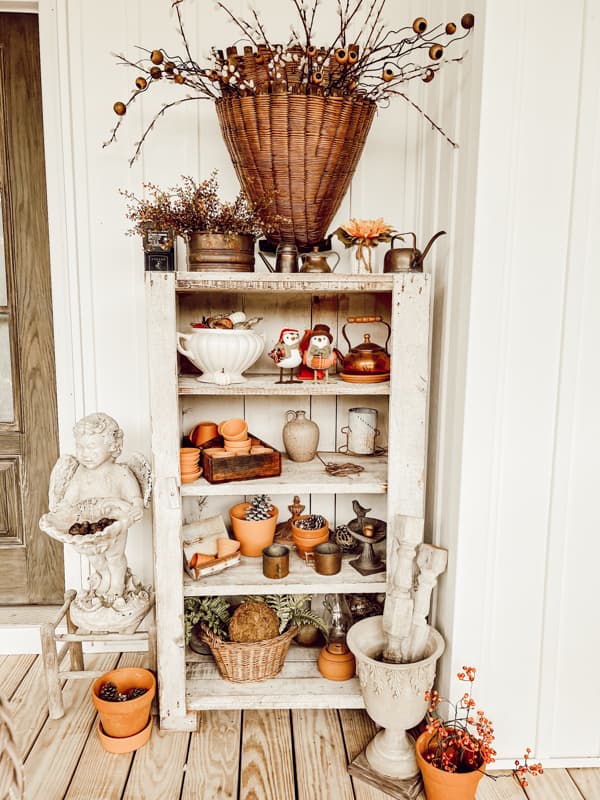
point(254, 524)
point(123, 698)
point(453, 752)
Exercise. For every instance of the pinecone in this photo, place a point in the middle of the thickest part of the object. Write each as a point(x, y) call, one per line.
point(131, 694)
point(260, 508)
point(108, 691)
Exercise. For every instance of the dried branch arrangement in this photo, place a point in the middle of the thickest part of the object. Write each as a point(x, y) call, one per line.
point(366, 58)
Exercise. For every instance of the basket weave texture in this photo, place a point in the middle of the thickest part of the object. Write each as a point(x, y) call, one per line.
point(245, 662)
point(301, 150)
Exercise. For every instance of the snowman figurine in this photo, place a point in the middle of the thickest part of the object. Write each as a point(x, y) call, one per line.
point(320, 355)
point(286, 353)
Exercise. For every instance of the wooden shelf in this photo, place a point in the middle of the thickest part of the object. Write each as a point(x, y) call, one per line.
point(266, 385)
point(247, 578)
point(308, 478)
point(301, 282)
point(298, 685)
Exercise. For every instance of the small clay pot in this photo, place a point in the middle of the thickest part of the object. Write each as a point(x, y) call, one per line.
point(440, 785)
point(203, 432)
point(234, 430)
point(336, 666)
point(252, 535)
point(131, 716)
point(305, 540)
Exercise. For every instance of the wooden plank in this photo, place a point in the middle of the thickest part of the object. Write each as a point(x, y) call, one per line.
point(51, 761)
point(554, 784)
point(504, 787)
point(358, 729)
point(213, 760)
point(27, 615)
point(309, 477)
point(301, 282)
point(13, 670)
point(267, 765)
point(158, 768)
point(587, 781)
point(99, 774)
point(166, 503)
point(266, 385)
point(409, 350)
point(320, 756)
point(297, 685)
point(247, 578)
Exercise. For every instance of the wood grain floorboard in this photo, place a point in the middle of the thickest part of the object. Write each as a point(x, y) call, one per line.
point(100, 775)
point(267, 764)
point(503, 788)
point(358, 729)
point(53, 758)
point(212, 769)
point(12, 671)
point(587, 781)
point(158, 768)
point(554, 784)
point(320, 757)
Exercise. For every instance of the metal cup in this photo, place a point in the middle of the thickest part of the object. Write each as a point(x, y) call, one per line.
point(326, 558)
point(276, 561)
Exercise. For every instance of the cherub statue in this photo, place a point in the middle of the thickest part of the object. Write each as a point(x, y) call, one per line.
point(320, 354)
point(286, 353)
point(94, 486)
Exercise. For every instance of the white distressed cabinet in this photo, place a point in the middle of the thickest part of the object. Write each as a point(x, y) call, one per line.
point(392, 485)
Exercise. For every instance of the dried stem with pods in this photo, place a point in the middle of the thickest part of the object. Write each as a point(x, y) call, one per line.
point(366, 59)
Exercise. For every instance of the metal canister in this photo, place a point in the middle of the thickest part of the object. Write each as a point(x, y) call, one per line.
point(361, 431)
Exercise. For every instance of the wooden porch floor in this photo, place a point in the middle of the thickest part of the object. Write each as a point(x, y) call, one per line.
point(254, 755)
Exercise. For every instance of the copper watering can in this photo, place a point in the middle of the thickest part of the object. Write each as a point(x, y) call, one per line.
point(407, 259)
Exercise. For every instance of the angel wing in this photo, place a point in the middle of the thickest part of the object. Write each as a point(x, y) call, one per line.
point(140, 466)
point(60, 477)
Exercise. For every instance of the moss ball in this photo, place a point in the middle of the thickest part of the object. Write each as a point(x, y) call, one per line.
point(253, 621)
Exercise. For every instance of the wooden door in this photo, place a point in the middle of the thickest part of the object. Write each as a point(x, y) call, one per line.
point(31, 564)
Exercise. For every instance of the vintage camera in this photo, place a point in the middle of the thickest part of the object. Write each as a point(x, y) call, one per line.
point(159, 250)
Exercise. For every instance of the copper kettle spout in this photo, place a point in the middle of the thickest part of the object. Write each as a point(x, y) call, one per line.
point(430, 242)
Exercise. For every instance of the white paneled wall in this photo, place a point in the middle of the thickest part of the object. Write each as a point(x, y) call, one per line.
point(513, 430)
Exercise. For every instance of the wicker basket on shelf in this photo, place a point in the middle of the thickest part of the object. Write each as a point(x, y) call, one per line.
point(299, 149)
point(245, 662)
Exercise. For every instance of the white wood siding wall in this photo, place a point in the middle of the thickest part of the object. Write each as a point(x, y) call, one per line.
point(513, 430)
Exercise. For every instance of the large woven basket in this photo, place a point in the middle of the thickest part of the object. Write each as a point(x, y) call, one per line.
point(245, 662)
point(301, 150)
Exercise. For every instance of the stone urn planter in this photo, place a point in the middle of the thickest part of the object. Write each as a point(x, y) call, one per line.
point(394, 695)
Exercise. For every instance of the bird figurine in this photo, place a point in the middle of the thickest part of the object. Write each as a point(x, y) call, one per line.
point(286, 353)
point(320, 355)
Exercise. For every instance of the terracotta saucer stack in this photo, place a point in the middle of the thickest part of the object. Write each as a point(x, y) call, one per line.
point(189, 464)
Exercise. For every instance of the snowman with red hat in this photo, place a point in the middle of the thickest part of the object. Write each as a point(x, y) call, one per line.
point(286, 353)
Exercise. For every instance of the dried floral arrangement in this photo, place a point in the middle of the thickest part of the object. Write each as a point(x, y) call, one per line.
point(364, 234)
point(195, 206)
point(463, 741)
point(365, 58)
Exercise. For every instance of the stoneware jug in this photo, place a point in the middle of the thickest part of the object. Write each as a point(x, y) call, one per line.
point(300, 436)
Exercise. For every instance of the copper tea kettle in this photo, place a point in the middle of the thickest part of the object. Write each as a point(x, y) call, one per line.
point(316, 260)
point(407, 259)
point(368, 361)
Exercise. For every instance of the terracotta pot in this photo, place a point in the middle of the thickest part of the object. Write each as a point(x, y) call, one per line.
point(253, 536)
point(124, 744)
point(203, 432)
point(131, 716)
point(336, 666)
point(306, 540)
point(234, 430)
point(440, 785)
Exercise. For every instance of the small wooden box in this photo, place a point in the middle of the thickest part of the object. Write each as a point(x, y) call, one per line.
point(239, 468)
